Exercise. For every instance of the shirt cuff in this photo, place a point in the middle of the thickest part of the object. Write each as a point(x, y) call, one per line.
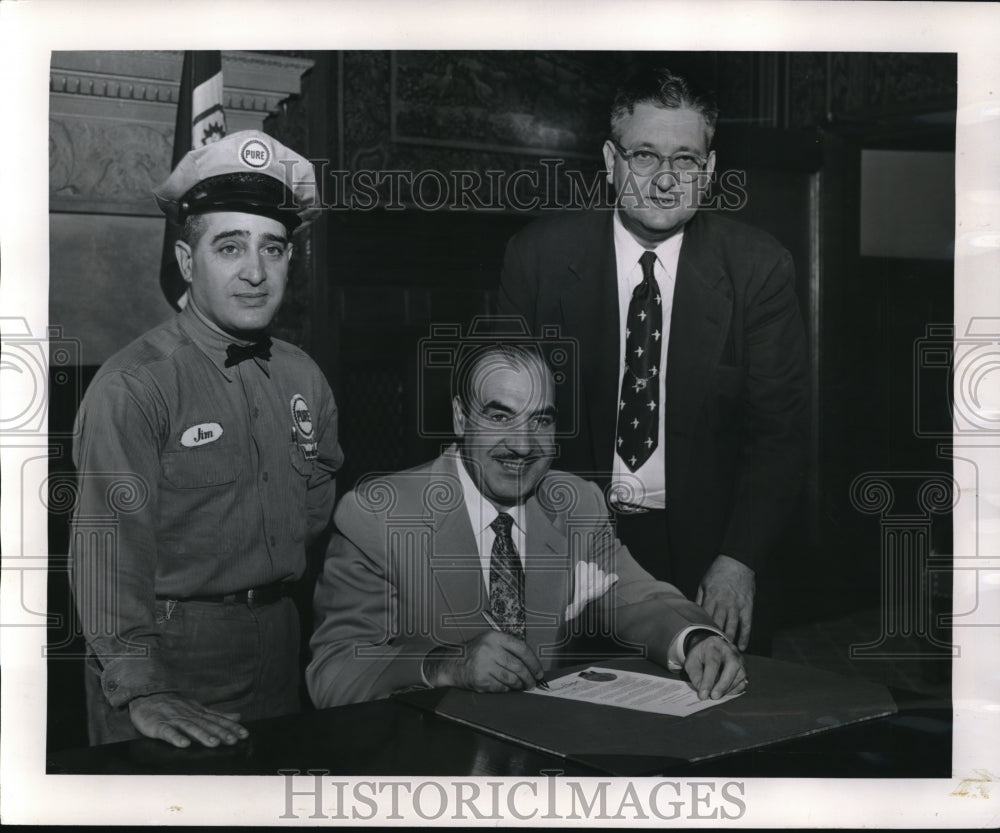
point(124, 679)
point(675, 653)
point(423, 676)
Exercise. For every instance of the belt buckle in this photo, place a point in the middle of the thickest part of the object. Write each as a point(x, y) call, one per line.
point(250, 597)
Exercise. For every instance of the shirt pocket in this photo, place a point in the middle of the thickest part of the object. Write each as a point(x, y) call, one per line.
point(300, 463)
point(200, 468)
point(203, 512)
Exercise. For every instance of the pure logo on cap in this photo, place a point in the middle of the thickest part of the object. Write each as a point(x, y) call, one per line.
point(255, 154)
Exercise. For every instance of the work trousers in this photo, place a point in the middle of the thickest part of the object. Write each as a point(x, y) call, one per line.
point(228, 656)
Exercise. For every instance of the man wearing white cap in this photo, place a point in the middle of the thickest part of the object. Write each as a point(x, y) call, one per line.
point(233, 438)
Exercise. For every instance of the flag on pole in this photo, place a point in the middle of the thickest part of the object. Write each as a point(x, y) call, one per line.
point(200, 121)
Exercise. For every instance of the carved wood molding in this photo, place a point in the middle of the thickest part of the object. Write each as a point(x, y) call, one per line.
point(112, 114)
point(107, 167)
point(254, 82)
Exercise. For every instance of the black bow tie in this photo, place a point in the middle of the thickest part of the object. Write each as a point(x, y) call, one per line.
point(236, 353)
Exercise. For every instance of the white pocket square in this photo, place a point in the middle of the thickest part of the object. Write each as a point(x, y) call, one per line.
point(589, 582)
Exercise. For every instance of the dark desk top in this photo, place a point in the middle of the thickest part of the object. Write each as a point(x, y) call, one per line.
point(387, 737)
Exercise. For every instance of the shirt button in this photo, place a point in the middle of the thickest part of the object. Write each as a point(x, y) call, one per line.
point(264, 476)
point(271, 539)
point(112, 686)
point(256, 412)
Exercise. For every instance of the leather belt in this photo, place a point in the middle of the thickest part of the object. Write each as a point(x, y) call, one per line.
point(254, 597)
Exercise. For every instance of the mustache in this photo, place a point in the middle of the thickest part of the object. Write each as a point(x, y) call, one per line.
point(514, 457)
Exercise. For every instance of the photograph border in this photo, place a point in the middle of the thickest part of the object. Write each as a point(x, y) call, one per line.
point(30, 31)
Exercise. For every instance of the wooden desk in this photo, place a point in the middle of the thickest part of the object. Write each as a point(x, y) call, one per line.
point(387, 737)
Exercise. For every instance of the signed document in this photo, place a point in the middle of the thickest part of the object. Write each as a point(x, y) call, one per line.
point(630, 690)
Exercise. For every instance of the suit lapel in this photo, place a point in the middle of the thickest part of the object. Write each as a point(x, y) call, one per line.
point(546, 592)
point(455, 563)
point(457, 572)
point(590, 292)
point(699, 323)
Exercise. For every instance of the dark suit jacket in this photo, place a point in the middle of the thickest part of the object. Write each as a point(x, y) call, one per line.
point(403, 576)
point(736, 377)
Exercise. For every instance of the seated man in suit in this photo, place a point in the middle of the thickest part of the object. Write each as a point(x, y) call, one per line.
point(471, 571)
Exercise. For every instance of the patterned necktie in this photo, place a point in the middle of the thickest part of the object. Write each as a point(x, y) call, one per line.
point(638, 420)
point(236, 353)
point(506, 579)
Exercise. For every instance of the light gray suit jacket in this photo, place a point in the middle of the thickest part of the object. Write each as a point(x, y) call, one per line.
point(403, 576)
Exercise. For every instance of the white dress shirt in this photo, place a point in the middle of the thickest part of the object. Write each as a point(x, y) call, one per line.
point(482, 513)
point(646, 486)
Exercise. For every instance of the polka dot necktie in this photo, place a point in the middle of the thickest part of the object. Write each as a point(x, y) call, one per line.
point(506, 579)
point(638, 405)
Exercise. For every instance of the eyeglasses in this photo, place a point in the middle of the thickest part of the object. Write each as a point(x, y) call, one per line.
point(645, 162)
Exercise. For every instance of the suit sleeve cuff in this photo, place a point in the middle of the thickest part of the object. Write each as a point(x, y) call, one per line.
point(406, 670)
point(676, 655)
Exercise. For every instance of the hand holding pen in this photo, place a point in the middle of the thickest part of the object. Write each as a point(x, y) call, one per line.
point(496, 626)
point(493, 661)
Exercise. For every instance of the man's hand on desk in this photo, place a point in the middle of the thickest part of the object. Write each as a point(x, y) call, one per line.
point(178, 720)
point(726, 592)
point(493, 662)
point(714, 666)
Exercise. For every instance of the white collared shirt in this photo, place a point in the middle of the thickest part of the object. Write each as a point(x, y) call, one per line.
point(482, 513)
point(651, 475)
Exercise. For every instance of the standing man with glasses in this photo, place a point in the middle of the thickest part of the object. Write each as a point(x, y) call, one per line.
point(693, 389)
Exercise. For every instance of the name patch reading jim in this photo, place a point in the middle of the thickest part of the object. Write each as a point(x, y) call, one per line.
point(207, 432)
